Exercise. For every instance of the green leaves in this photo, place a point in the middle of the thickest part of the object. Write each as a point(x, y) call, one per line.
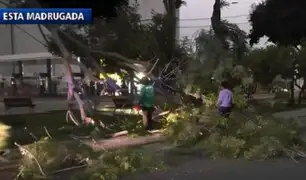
point(242, 136)
point(107, 165)
point(279, 20)
point(180, 127)
point(4, 135)
point(267, 63)
point(112, 165)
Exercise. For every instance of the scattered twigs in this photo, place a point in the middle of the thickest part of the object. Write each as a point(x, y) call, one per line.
point(102, 124)
point(70, 116)
point(31, 134)
point(27, 153)
point(166, 67)
point(162, 114)
point(121, 133)
point(294, 154)
point(153, 67)
point(69, 169)
point(291, 155)
point(47, 132)
point(81, 104)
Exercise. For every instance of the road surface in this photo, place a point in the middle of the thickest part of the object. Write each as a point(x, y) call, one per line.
point(203, 169)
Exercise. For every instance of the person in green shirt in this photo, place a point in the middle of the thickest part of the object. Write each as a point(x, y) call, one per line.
point(146, 101)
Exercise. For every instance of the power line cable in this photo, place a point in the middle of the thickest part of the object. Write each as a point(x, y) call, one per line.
point(206, 26)
point(203, 18)
point(181, 27)
point(30, 35)
point(208, 18)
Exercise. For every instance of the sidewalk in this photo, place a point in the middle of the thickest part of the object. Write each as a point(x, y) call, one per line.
point(48, 104)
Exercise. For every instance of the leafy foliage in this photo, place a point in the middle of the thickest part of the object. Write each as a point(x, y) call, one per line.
point(181, 127)
point(4, 135)
point(241, 136)
point(52, 156)
point(150, 40)
point(279, 20)
point(266, 63)
point(112, 165)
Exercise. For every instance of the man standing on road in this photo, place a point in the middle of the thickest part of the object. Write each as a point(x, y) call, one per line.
point(146, 101)
point(225, 100)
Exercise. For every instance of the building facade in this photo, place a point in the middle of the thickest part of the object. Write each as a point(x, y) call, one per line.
point(27, 40)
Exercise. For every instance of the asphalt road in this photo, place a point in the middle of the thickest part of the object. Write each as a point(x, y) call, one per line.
point(203, 169)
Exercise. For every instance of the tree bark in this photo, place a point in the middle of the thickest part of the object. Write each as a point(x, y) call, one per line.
point(67, 56)
point(170, 6)
point(302, 90)
point(291, 98)
point(219, 29)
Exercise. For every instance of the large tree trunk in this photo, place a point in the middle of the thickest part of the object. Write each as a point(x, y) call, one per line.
point(216, 22)
point(217, 25)
point(67, 57)
point(291, 98)
point(170, 6)
point(301, 93)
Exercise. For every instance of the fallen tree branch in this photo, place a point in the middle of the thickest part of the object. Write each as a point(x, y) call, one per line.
point(47, 132)
point(70, 115)
point(87, 52)
point(152, 68)
point(27, 153)
point(69, 169)
point(124, 142)
point(121, 133)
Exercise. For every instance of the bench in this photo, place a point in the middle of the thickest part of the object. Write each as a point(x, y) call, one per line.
point(123, 91)
point(122, 102)
point(16, 102)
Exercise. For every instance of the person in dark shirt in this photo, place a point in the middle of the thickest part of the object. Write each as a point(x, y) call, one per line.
point(146, 101)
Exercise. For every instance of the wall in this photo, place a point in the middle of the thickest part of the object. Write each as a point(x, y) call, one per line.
point(19, 39)
point(31, 68)
point(6, 69)
point(23, 39)
point(28, 39)
point(57, 69)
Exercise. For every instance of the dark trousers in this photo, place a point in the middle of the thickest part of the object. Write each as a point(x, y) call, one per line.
point(147, 113)
point(225, 111)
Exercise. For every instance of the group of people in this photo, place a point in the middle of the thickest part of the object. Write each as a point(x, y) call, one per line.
point(146, 101)
point(102, 87)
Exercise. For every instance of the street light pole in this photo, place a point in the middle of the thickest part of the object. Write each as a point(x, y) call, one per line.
point(12, 39)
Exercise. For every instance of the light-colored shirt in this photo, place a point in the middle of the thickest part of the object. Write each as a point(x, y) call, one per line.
point(225, 98)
